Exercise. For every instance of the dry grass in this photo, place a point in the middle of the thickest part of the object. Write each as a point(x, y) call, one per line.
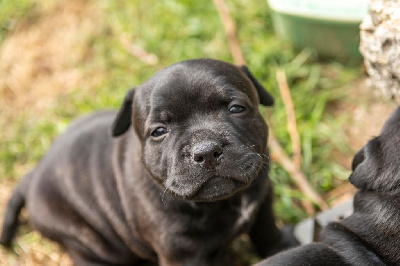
point(41, 60)
point(43, 57)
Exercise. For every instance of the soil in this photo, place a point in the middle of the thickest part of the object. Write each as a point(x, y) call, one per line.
point(366, 111)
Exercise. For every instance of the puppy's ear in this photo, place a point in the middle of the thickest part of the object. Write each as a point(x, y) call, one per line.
point(265, 98)
point(366, 165)
point(358, 158)
point(124, 116)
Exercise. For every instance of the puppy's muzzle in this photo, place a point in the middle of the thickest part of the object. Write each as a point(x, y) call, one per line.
point(207, 154)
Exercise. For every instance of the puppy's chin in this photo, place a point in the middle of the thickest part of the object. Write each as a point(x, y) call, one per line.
point(214, 189)
point(218, 188)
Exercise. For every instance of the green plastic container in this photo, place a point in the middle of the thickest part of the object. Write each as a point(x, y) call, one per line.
point(331, 27)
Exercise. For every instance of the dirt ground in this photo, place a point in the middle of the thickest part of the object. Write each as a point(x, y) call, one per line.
point(23, 78)
point(366, 111)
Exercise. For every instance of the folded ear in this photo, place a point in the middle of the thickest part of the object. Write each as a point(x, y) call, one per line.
point(265, 98)
point(358, 158)
point(366, 165)
point(124, 116)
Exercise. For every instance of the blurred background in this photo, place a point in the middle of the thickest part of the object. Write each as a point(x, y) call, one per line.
point(63, 58)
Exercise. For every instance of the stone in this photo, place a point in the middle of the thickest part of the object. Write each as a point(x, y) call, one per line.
point(380, 46)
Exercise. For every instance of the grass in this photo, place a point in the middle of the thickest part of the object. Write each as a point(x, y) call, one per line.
point(94, 60)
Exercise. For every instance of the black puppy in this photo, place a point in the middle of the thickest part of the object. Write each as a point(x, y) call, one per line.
point(371, 235)
point(184, 173)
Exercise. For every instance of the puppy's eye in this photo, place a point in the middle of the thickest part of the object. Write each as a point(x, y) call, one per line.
point(158, 132)
point(236, 109)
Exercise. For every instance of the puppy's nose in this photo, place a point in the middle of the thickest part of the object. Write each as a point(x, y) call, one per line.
point(207, 153)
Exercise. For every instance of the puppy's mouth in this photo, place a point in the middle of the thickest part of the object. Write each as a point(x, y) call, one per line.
point(214, 189)
point(218, 188)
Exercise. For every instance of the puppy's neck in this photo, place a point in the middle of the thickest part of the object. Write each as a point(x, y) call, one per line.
point(375, 222)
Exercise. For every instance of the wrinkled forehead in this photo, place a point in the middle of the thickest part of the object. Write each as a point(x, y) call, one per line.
point(186, 87)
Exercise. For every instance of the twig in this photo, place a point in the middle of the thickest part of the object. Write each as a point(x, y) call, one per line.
point(277, 151)
point(291, 117)
point(340, 194)
point(230, 30)
point(279, 155)
point(297, 175)
point(138, 52)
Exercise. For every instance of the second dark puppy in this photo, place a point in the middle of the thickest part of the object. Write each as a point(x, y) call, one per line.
point(185, 173)
point(371, 235)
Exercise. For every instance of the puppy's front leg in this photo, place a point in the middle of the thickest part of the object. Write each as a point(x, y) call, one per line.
point(265, 235)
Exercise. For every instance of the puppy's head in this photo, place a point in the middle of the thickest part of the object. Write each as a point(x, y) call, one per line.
point(377, 165)
point(202, 134)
